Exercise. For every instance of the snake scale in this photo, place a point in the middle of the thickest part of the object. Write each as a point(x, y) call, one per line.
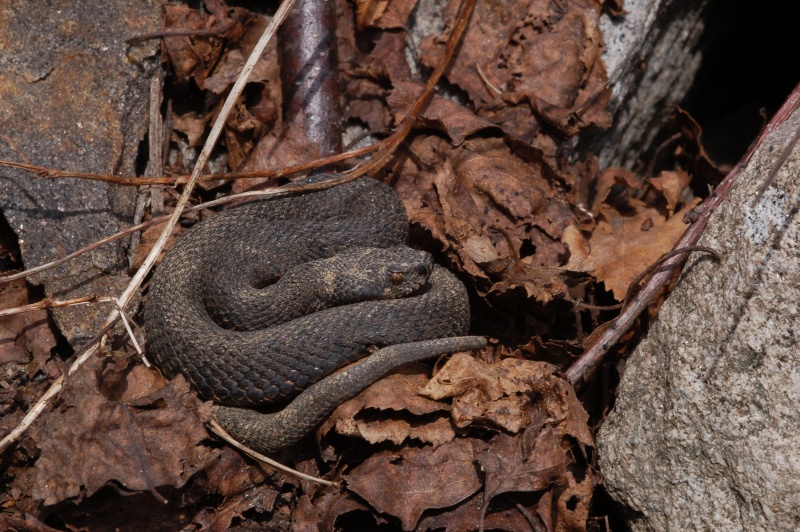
point(267, 299)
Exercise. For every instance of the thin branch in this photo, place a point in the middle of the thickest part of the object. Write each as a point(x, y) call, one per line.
point(54, 173)
point(219, 431)
point(584, 367)
point(48, 303)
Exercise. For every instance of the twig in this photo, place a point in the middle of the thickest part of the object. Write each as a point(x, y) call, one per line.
point(486, 81)
point(584, 367)
point(155, 140)
point(216, 31)
point(48, 303)
point(54, 173)
point(633, 286)
point(219, 431)
point(126, 322)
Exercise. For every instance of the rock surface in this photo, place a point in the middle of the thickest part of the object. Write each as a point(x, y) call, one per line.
point(704, 434)
point(652, 57)
point(75, 98)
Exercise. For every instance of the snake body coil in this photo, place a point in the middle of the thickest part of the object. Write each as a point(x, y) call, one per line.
point(222, 265)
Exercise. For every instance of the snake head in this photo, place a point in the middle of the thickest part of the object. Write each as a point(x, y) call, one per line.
point(382, 273)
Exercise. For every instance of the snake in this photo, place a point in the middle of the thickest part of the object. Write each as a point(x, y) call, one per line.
point(270, 308)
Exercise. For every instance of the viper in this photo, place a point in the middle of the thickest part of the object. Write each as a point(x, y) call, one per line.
point(267, 300)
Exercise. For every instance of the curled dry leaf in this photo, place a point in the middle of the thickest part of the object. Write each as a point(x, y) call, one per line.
point(474, 385)
point(553, 455)
point(195, 56)
point(477, 200)
point(544, 60)
point(452, 119)
point(495, 395)
point(542, 462)
point(672, 185)
point(469, 514)
point(190, 124)
point(116, 425)
point(392, 410)
point(242, 487)
point(624, 245)
point(386, 14)
point(266, 70)
point(406, 483)
point(322, 512)
point(557, 352)
point(26, 337)
point(26, 341)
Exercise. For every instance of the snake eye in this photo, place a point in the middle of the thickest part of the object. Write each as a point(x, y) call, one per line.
point(397, 278)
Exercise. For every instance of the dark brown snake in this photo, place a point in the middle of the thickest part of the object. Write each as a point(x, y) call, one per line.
point(212, 314)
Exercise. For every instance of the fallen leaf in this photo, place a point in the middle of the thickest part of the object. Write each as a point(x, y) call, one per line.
point(392, 410)
point(322, 512)
point(511, 466)
point(672, 185)
point(441, 114)
point(468, 514)
point(408, 482)
point(485, 206)
point(24, 337)
point(624, 245)
point(92, 440)
point(494, 395)
point(191, 124)
point(241, 485)
point(195, 55)
point(547, 54)
point(383, 13)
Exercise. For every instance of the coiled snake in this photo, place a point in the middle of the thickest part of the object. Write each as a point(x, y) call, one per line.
point(211, 316)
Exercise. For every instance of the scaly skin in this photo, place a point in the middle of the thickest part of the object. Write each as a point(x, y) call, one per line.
point(244, 247)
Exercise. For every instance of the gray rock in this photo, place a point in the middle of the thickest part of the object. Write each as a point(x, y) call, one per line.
point(74, 97)
point(652, 58)
point(704, 434)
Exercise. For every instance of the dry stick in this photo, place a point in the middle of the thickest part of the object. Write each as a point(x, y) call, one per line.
point(54, 173)
point(219, 431)
point(582, 369)
point(155, 140)
point(49, 303)
point(136, 282)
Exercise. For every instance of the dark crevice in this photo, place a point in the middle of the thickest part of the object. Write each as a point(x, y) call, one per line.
point(747, 65)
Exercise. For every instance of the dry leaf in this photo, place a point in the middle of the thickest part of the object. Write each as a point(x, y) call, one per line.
point(407, 483)
point(146, 437)
point(383, 13)
point(623, 246)
point(392, 410)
